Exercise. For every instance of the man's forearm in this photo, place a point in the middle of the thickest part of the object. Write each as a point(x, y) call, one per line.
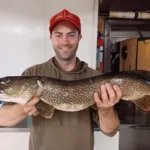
point(109, 120)
point(11, 115)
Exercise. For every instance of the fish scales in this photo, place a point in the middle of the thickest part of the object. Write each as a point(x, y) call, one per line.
point(73, 95)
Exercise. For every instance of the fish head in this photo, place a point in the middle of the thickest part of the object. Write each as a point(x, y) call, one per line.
point(3, 85)
point(17, 89)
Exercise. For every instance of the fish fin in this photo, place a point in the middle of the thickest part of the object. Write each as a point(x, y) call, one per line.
point(45, 109)
point(40, 87)
point(143, 103)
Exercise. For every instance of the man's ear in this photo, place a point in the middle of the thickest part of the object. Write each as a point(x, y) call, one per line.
point(80, 36)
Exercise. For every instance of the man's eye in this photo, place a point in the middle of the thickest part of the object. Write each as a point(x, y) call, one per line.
point(58, 35)
point(72, 35)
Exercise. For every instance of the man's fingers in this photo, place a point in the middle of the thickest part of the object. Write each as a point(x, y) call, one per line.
point(97, 98)
point(110, 95)
point(118, 91)
point(111, 92)
point(36, 113)
point(32, 112)
point(29, 109)
point(32, 102)
point(104, 94)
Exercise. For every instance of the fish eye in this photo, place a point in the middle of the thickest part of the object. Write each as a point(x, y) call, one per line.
point(2, 83)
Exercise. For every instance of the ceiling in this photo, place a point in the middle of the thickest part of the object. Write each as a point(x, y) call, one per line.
point(123, 5)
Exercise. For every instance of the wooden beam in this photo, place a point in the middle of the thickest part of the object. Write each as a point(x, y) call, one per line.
point(107, 47)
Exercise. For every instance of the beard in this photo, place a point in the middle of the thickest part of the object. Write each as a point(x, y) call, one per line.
point(66, 54)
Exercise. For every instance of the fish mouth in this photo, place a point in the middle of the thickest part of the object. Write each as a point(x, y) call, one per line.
point(3, 96)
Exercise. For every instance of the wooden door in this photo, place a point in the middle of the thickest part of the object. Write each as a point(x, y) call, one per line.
point(128, 49)
point(143, 56)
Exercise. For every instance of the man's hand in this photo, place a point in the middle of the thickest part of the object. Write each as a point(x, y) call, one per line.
point(110, 95)
point(30, 108)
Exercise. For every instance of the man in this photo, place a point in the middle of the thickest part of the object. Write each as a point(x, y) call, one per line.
point(65, 130)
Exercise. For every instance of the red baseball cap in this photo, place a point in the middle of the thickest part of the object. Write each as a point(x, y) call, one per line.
point(65, 15)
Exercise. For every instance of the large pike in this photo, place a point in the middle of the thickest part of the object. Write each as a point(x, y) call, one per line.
point(73, 95)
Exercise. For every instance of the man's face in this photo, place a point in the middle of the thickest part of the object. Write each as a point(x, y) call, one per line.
point(65, 39)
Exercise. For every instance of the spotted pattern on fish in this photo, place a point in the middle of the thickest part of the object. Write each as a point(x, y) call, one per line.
point(73, 95)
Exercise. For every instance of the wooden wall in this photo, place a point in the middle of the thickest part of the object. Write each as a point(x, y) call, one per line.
point(130, 62)
point(143, 56)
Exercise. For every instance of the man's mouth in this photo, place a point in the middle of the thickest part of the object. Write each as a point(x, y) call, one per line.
point(65, 48)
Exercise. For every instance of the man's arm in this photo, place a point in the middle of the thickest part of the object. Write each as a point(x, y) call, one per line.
point(11, 115)
point(108, 119)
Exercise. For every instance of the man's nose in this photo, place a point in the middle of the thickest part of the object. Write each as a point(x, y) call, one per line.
point(65, 40)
